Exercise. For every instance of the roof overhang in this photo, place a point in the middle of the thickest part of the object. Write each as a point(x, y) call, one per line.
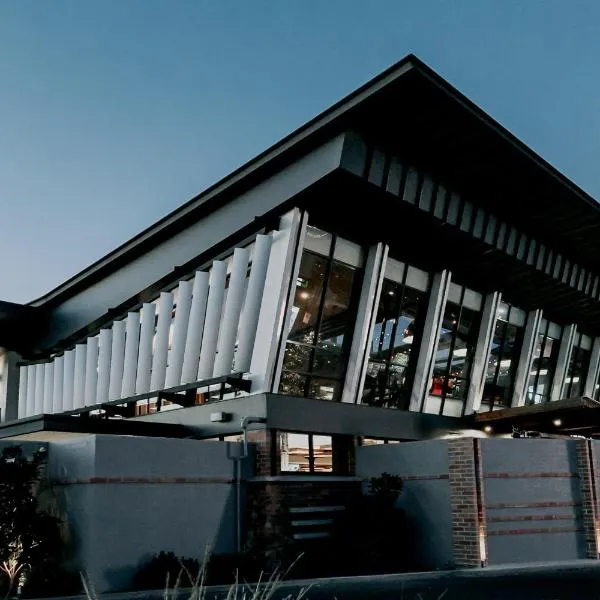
point(575, 416)
point(413, 109)
point(20, 325)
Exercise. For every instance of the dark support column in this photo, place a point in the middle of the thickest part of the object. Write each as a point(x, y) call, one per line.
point(587, 487)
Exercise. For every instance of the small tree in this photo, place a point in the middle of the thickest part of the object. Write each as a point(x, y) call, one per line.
point(30, 539)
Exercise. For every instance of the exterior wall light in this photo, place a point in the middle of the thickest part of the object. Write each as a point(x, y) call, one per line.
point(557, 422)
point(488, 429)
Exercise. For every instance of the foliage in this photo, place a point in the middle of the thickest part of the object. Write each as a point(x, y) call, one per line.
point(373, 536)
point(30, 542)
point(165, 566)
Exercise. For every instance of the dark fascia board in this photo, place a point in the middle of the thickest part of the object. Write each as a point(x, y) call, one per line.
point(294, 145)
point(68, 424)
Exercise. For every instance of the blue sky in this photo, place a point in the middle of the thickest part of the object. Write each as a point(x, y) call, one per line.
point(115, 112)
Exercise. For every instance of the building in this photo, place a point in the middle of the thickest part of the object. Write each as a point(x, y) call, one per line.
point(401, 268)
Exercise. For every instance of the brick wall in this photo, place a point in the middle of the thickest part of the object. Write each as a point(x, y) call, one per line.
point(464, 473)
point(585, 470)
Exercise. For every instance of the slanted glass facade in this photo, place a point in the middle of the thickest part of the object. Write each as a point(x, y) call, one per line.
point(323, 317)
point(545, 356)
point(504, 357)
point(578, 366)
point(453, 358)
point(396, 334)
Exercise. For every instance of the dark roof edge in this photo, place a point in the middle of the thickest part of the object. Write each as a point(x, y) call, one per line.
point(261, 161)
point(259, 165)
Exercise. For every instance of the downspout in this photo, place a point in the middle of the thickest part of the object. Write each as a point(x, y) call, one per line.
point(238, 476)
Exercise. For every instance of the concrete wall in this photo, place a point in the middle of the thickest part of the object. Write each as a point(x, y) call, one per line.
point(426, 495)
point(126, 498)
point(532, 500)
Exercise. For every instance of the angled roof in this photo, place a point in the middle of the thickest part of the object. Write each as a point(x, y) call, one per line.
point(411, 107)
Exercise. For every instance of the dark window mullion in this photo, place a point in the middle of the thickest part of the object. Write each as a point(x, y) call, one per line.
point(451, 350)
point(311, 454)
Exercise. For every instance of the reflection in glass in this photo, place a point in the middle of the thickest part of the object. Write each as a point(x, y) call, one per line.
point(504, 357)
point(578, 366)
point(322, 320)
point(545, 355)
point(454, 357)
point(387, 381)
point(305, 453)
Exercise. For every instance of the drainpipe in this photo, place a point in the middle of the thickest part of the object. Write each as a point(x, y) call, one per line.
point(238, 478)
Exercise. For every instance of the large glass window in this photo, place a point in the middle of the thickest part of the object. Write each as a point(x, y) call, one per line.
point(545, 355)
point(397, 326)
point(314, 453)
point(322, 317)
point(578, 366)
point(454, 355)
point(504, 357)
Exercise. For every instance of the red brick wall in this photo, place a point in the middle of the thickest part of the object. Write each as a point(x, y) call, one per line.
point(464, 475)
point(585, 470)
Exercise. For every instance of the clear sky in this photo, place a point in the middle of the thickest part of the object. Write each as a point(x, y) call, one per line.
point(115, 112)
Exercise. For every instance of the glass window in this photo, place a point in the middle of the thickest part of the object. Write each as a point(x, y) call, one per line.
point(504, 357)
point(391, 357)
point(305, 453)
point(322, 320)
point(578, 366)
point(545, 355)
point(453, 359)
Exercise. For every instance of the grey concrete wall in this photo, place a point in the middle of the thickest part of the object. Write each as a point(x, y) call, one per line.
point(127, 498)
point(95, 301)
point(426, 495)
point(532, 500)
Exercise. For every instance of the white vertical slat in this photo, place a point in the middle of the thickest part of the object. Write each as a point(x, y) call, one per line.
point(180, 328)
point(48, 387)
point(193, 339)
point(30, 410)
point(39, 389)
point(254, 296)
point(22, 410)
point(91, 371)
point(79, 378)
point(212, 321)
point(161, 342)
point(132, 344)
point(104, 354)
point(117, 357)
point(68, 380)
point(232, 312)
point(142, 380)
point(57, 388)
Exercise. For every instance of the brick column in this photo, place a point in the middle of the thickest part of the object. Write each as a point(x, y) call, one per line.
point(468, 524)
point(586, 471)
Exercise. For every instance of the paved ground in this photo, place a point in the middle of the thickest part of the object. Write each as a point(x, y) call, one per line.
point(559, 581)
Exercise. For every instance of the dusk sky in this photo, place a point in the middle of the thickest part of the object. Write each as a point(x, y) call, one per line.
point(115, 112)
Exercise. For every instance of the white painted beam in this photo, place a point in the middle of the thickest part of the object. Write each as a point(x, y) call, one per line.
point(39, 389)
point(68, 380)
point(117, 360)
point(22, 410)
point(57, 388)
point(212, 321)
point(365, 322)
point(193, 340)
point(30, 410)
point(594, 371)
point(132, 344)
point(180, 328)
point(79, 385)
point(482, 352)
point(91, 371)
point(161, 341)
point(254, 296)
point(232, 312)
point(532, 327)
point(562, 362)
point(142, 378)
point(48, 387)
point(104, 354)
point(431, 329)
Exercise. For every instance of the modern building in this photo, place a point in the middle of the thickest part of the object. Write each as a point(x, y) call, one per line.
point(401, 268)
